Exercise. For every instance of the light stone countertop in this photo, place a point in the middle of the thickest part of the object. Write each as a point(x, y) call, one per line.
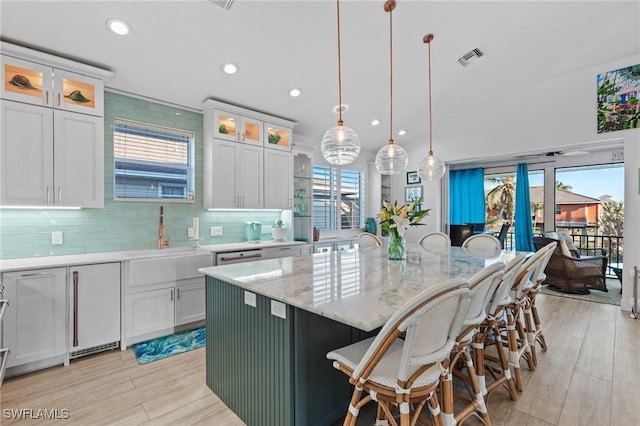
point(10, 265)
point(358, 288)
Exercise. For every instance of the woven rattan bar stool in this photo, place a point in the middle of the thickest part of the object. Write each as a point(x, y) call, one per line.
point(401, 367)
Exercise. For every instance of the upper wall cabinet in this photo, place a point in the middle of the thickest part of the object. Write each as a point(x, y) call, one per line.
point(34, 83)
point(278, 137)
point(236, 127)
point(239, 144)
point(52, 134)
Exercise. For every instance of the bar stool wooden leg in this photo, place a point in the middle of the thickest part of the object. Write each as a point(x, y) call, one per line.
point(499, 367)
point(522, 336)
point(479, 404)
point(514, 348)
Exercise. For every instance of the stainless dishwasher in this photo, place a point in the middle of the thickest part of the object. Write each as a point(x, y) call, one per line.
point(229, 257)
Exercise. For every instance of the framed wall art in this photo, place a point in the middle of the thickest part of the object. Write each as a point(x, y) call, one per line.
point(412, 193)
point(618, 107)
point(413, 177)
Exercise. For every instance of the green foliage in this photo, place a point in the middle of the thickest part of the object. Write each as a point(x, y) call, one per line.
point(612, 218)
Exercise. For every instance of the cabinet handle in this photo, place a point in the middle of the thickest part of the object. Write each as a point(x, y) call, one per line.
point(59, 194)
point(46, 93)
point(243, 136)
point(34, 274)
point(58, 99)
point(178, 293)
point(172, 295)
point(75, 308)
point(243, 201)
point(48, 195)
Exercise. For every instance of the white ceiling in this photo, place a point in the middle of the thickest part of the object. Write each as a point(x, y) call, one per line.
point(176, 48)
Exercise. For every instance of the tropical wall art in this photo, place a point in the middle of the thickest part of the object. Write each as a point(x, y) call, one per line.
point(618, 106)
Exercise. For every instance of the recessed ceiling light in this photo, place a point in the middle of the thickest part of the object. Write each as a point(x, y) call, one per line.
point(295, 92)
point(230, 68)
point(342, 107)
point(402, 132)
point(118, 26)
point(375, 122)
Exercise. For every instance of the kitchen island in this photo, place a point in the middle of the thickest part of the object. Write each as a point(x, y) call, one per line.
point(270, 324)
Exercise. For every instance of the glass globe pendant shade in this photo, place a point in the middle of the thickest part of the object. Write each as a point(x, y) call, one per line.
point(431, 167)
point(391, 159)
point(340, 145)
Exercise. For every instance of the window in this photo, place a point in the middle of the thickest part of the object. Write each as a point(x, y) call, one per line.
point(152, 162)
point(338, 198)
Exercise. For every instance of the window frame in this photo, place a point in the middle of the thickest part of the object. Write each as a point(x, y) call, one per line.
point(189, 167)
point(338, 231)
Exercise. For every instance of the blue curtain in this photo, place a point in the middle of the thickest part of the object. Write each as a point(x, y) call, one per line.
point(466, 196)
point(523, 227)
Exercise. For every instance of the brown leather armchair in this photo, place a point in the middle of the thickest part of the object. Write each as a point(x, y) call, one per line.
point(575, 273)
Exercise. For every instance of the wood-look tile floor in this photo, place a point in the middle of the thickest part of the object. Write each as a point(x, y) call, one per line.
point(589, 376)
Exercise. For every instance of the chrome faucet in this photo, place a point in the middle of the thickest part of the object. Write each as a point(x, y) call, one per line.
point(161, 241)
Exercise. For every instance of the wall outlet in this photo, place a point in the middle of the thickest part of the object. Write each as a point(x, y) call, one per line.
point(278, 309)
point(56, 237)
point(216, 231)
point(190, 232)
point(250, 298)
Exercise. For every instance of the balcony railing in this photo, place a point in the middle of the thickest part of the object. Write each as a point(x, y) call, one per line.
point(589, 243)
point(611, 243)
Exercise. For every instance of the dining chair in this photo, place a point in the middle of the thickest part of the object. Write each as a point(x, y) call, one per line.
point(400, 368)
point(482, 286)
point(482, 245)
point(489, 335)
point(459, 233)
point(435, 241)
point(366, 239)
point(502, 235)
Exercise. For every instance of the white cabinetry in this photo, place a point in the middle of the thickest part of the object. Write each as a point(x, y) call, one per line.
point(162, 293)
point(278, 179)
point(236, 127)
point(94, 314)
point(35, 326)
point(52, 138)
point(237, 175)
point(190, 301)
point(246, 153)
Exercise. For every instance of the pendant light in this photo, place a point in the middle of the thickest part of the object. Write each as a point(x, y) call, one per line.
point(431, 167)
point(340, 145)
point(391, 159)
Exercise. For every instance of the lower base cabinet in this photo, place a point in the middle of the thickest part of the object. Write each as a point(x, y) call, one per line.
point(149, 312)
point(35, 327)
point(162, 295)
point(155, 313)
point(190, 301)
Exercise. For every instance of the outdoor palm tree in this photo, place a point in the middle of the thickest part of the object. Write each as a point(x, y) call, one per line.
point(502, 198)
point(563, 186)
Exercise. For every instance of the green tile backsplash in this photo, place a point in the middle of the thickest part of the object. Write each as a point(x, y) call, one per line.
point(124, 225)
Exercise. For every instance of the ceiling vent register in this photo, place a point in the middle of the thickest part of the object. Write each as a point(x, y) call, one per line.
point(225, 4)
point(470, 57)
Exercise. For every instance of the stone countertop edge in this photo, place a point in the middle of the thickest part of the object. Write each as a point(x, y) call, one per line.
point(218, 272)
point(11, 265)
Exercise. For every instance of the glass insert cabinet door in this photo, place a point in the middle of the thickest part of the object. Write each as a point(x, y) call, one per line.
point(38, 84)
point(236, 127)
point(277, 137)
point(27, 82)
point(79, 93)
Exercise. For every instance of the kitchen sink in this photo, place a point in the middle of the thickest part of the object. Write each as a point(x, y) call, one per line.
point(167, 252)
